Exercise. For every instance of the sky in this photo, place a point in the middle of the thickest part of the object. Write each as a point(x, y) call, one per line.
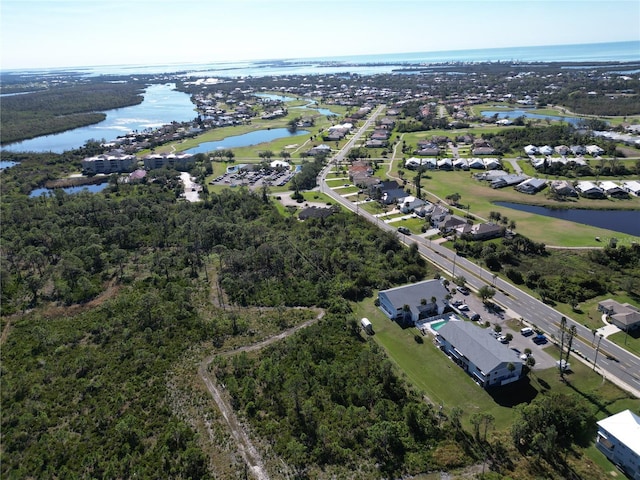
point(71, 33)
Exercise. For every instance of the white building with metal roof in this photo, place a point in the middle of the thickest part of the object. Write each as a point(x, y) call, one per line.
point(619, 439)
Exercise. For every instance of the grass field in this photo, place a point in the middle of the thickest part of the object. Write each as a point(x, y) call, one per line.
point(480, 197)
point(443, 383)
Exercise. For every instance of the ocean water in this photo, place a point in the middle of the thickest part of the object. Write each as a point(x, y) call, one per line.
point(379, 63)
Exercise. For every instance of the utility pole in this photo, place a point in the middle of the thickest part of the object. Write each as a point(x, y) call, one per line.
point(597, 349)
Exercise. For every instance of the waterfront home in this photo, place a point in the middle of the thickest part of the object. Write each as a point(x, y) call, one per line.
point(507, 180)
point(612, 189)
point(632, 186)
point(531, 185)
point(589, 190)
point(409, 303)
point(487, 361)
point(619, 440)
point(564, 188)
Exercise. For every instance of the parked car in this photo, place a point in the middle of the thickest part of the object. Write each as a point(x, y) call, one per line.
point(503, 339)
point(463, 307)
point(404, 230)
point(539, 339)
point(475, 316)
point(526, 331)
point(463, 290)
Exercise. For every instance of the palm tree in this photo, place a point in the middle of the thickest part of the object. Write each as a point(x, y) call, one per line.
point(563, 324)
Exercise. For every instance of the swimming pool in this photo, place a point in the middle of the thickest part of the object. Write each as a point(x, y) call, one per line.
point(438, 325)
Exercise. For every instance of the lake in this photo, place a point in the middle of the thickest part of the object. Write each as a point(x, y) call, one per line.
point(624, 221)
point(161, 106)
point(6, 164)
point(70, 190)
point(245, 140)
point(513, 114)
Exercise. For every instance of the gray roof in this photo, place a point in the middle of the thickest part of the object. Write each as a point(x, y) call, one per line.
point(412, 294)
point(481, 349)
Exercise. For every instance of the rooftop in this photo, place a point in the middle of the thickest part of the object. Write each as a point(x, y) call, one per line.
point(625, 426)
point(474, 343)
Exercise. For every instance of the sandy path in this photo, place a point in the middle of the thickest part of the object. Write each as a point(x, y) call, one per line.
point(247, 449)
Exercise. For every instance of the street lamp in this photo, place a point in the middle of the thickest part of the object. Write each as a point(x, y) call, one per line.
point(600, 335)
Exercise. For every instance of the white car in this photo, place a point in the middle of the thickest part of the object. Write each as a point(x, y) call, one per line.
point(464, 307)
point(503, 339)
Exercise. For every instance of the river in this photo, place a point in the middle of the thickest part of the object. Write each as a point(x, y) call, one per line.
point(161, 106)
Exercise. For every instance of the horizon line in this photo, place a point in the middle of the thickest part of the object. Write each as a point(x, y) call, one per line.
point(319, 57)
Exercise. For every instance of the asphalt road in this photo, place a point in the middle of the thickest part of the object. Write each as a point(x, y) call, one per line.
point(613, 362)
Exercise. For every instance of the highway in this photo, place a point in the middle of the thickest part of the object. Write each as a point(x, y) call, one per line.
point(613, 362)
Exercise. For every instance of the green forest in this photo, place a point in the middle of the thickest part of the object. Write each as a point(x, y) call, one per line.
point(63, 107)
point(110, 300)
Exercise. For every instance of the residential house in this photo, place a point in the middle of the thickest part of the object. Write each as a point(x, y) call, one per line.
point(578, 149)
point(414, 163)
point(589, 190)
point(450, 223)
point(612, 189)
point(562, 150)
point(482, 231)
point(545, 150)
point(428, 150)
point(623, 315)
point(619, 440)
point(530, 149)
point(410, 303)
point(445, 164)
point(532, 185)
point(321, 149)
point(491, 163)
point(476, 163)
point(483, 151)
point(487, 361)
point(508, 180)
point(564, 188)
point(632, 186)
point(376, 143)
point(461, 163)
point(594, 150)
point(437, 214)
point(410, 203)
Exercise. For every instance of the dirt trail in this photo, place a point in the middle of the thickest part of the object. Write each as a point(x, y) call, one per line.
point(249, 452)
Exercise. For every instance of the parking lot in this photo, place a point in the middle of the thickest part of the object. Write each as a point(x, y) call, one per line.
point(499, 317)
point(254, 178)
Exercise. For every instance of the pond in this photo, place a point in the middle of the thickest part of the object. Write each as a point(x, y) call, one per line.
point(513, 114)
point(245, 140)
point(624, 221)
point(161, 106)
point(70, 190)
point(6, 164)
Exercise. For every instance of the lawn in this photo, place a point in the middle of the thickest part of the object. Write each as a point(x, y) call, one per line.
point(548, 230)
point(443, 383)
